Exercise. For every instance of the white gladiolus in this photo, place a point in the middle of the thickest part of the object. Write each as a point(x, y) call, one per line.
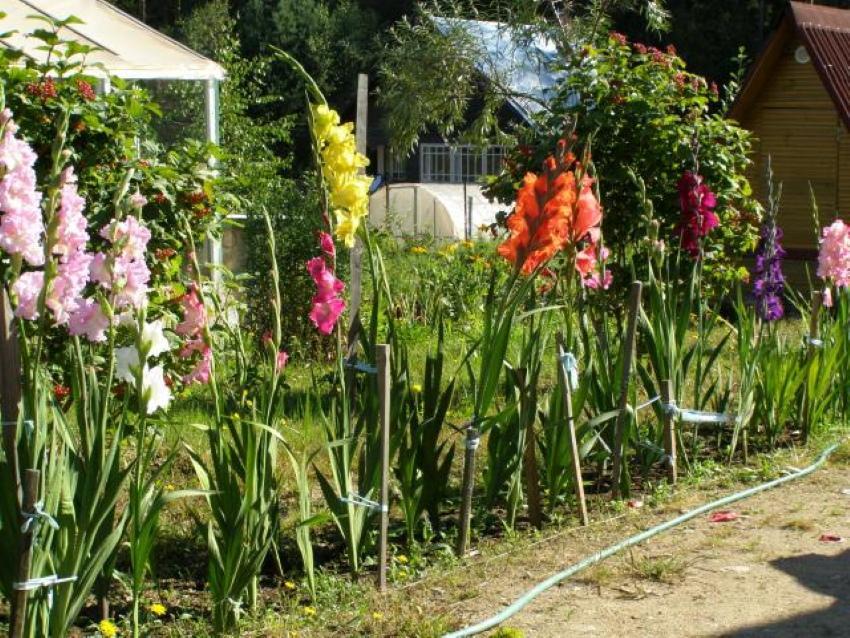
point(155, 390)
point(126, 363)
point(153, 337)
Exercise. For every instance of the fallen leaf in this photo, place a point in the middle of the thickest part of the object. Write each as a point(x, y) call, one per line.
point(831, 538)
point(634, 503)
point(723, 516)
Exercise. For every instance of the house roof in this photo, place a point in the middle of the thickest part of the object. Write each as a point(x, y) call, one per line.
point(126, 47)
point(825, 32)
point(518, 61)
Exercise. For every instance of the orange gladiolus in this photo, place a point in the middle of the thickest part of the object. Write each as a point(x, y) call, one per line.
point(549, 214)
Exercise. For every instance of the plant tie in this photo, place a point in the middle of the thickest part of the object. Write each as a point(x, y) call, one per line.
point(697, 416)
point(45, 581)
point(647, 404)
point(570, 363)
point(31, 518)
point(814, 343)
point(361, 501)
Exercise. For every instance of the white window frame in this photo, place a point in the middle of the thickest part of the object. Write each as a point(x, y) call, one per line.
point(456, 156)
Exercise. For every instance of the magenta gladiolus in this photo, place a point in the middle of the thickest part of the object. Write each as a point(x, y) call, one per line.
point(281, 360)
point(697, 204)
point(327, 244)
point(203, 368)
point(327, 303)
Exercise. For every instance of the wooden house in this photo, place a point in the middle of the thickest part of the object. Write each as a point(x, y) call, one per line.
point(796, 101)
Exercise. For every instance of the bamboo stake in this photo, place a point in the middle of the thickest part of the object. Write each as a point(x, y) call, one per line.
point(472, 441)
point(669, 431)
point(529, 457)
point(628, 355)
point(811, 352)
point(575, 461)
point(383, 362)
point(19, 597)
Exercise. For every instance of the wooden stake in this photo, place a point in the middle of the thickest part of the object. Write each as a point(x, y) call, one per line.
point(356, 253)
point(811, 352)
point(529, 457)
point(472, 441)
point(10, 388)
point(19, 596)
point(382, 352)
point(628, 355)
point(575, 461)
point(669, 431)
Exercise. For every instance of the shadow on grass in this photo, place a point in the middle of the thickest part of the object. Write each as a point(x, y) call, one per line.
point(827, 575)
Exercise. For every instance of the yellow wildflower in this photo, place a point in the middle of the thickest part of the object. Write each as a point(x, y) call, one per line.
point(419, 250)
point(289, 585)
point(468, 244)
point(308, 611)
point(401, 558)
point(416, 388)
point(376, 615)
point(107, 628)
point(158, 609)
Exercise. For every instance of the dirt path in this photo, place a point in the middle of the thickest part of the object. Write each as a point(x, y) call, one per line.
point(765, 574)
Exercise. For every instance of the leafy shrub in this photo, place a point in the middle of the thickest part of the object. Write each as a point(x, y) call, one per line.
point(649, 121)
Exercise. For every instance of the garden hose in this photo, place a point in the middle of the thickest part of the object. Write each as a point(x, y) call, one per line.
point(601, 555)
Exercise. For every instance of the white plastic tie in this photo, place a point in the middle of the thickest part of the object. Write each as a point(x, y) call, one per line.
point(697, 416)
point(31, 518)
point(647, 404)
point(814, 343)
point(570, 363)
point(360, 501)
point(44, 581)
point(473, 442)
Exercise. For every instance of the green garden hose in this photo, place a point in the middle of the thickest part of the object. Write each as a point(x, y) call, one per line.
point(599, 556)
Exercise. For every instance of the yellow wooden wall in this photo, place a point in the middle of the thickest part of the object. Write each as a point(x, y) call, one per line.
point(795, 121)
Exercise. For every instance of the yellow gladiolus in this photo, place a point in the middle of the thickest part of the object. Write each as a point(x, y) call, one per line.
point(324, 119)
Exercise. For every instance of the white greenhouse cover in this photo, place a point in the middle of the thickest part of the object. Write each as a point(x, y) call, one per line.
point(127, 48)
point(518, 61)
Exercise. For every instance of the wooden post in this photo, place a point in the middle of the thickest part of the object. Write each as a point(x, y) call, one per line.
point(529, 457)
point(472, 441)
point(356, 253)
point(667, 397)
point(811, 352)
point(628, 355)
point(575, 461)
point(10, 388)
point(22, 575)
point(382, 352)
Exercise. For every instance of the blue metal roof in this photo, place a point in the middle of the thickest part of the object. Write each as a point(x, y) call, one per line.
point(518, 61)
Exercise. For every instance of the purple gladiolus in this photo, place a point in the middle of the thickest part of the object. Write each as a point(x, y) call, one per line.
point(768, 280)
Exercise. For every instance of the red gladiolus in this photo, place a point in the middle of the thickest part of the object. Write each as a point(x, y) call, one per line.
point(550, 213)
point(697, 204)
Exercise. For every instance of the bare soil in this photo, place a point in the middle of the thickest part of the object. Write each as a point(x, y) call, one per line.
point(766, 574)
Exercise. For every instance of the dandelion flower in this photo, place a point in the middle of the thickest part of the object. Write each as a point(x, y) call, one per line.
point(107, 628)
point(376, 615)
point(308, 611)
point(158, 610)
point(289, 585)
point(401, 558)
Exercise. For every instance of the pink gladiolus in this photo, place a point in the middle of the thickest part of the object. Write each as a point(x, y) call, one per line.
point(194, 315)
point(124, 271)
point(27, 289)
point(325, 314)
point(137, 200)
point(21, 225)
point(280, 361)
point(71, 234)
point(327, 244)
point(327, 304)
point(827, 297)
point(66, 289)
point(130, 237)
point(834, 255)
point(596, 281)
point(203, 368)
point(88, 319)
